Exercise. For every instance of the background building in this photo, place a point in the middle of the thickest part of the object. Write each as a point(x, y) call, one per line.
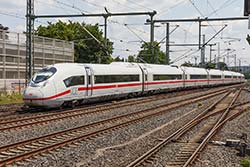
point(47, 51)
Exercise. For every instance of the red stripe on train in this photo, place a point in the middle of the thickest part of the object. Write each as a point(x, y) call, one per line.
point(119, 86)
point(50, 97)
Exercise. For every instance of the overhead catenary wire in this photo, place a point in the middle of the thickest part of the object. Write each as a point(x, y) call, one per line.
point(70, 6)
point(185, 55)
point(197, 9)
point(162, 11)
point(140, 5)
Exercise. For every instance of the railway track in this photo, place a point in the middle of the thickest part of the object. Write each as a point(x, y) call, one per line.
point(13, 115)
point(52, 117)
point(70, 137)
point(191, 150)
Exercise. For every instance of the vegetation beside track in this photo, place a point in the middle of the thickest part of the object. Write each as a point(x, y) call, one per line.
point(245, 162)
point(10, 98)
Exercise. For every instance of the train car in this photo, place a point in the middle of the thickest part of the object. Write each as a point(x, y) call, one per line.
point(215, 77)
point(236, 77)
point(68, 84)
point(161, 77)
point(227, 77)
point(195, 76)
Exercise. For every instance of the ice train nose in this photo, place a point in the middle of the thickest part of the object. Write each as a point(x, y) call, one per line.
point(33, 97)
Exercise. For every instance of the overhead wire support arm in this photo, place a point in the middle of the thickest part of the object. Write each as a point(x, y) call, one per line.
point(199, 19)
point(30, 28)
point(215, 35)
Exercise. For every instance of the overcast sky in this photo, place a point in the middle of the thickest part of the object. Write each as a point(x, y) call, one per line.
point(127, 38)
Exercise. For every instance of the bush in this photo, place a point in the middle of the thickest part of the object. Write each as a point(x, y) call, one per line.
point(10, 98)
point(245, 162)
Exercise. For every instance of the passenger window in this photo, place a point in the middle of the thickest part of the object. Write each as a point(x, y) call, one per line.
point(198, 76)
point(115, 78)
point(166, 77)
point(74, 80)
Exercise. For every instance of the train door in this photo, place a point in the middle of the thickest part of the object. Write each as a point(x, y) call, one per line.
point(89, 81)
point(145, 80)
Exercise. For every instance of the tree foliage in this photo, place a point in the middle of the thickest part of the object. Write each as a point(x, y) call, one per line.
point(222, 66)
point(188, 64)
point(87, 50)
point(131, 58)
point(118, 59)
point(149, 53)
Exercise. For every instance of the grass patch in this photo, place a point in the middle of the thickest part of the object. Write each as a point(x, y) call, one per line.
point(10, 98)
point(245, 162)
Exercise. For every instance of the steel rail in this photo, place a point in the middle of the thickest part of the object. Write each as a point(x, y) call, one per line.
point(61, 116)
point(171, 137)
point(79, 138)
point(212, 131)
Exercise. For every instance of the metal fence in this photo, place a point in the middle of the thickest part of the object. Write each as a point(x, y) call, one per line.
point(47, 51)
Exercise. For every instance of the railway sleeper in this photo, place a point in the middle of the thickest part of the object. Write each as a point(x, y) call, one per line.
point(16, 150)
point(8, 153)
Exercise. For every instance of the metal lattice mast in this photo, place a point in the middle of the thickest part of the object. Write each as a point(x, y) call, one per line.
point(29, 38)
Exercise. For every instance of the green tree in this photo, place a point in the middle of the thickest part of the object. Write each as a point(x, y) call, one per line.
point(187, 64)
point(131, 58)
point(222, 66)
point(210, 65)
point(87, 50)
point(148, 53)
point(118, 59)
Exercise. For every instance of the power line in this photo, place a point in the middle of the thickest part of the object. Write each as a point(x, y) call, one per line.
point(70, 6)
point(59, 7)
point(135, 33)
point(211, 6)
point(170, 8)
point(93, 4)
point(200, 13)
point(137, 4)
point(224, 5)
point(18, 16)
point(124, 5)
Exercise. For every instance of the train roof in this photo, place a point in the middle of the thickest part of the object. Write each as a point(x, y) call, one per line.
point(162, 69)
point(194, 70)
point(215, 72)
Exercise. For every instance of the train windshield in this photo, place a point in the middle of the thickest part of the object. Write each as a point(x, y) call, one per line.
point(44, 74)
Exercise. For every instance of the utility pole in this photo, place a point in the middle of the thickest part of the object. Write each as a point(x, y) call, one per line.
point(105, 30)
point(218, 57)
point(239, 64)
point(199, 33)
point(167, 44)
point(210, 54)
point(235, 61)
point(228, 59)
point(29, 39)
point(30, 28)
point(203, 51)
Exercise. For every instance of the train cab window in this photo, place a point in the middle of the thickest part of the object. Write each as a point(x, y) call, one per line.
point(44, 74)
point(198, 76)
point(115, 78)
point(166, 77)
point(74, 80)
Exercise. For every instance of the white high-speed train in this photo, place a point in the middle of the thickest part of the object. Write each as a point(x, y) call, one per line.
point(71, 83)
